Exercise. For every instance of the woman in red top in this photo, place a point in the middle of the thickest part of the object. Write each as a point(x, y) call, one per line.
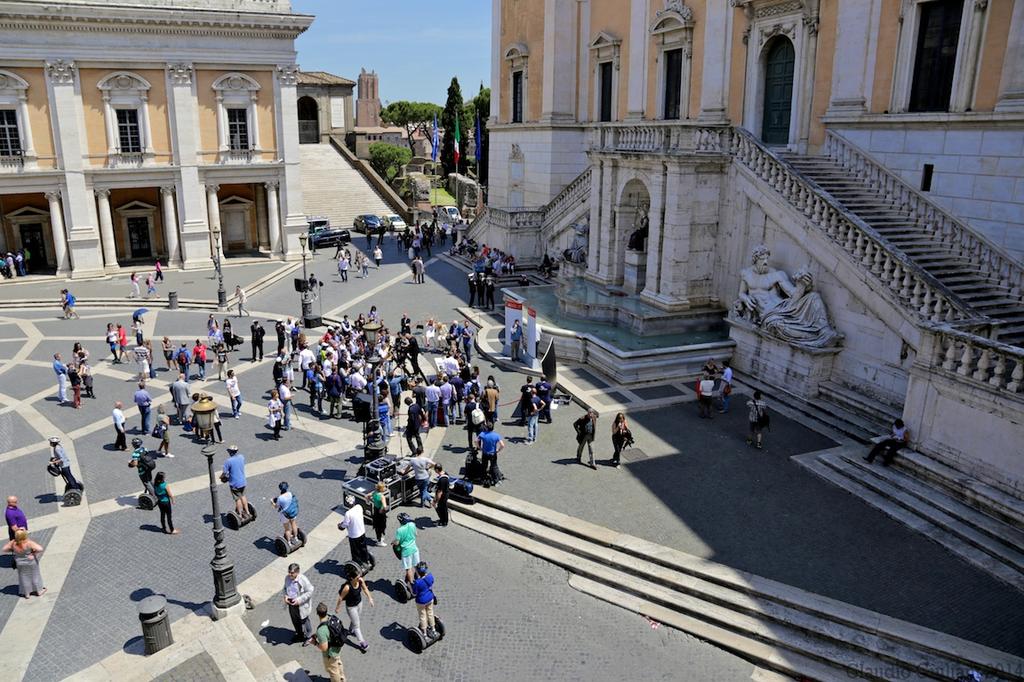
point(199, 358)
point(122, 341)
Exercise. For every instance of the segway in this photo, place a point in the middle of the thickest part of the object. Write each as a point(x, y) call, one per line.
point(233, 521)
point(284, 548)
point(420, 640)
point(146, 501)
point(462, 491)
point(403, 591)
point(72, 496)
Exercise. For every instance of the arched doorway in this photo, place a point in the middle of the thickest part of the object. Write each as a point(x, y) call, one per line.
point(778, 91)
point(309, 121)
point(632, 221)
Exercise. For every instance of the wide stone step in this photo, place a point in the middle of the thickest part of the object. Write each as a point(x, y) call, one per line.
point(967, 542)
point(873, 412)
point(815, 627)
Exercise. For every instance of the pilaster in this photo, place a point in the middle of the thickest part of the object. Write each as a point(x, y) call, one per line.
point(1011, 85)
point(636, 93)
point(285, 110)
point(559, 61)
point(497, 62)
point(850, 62)
point(714, 87)
point(189, 193)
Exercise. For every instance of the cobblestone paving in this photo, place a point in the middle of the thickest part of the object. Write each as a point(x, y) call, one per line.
point(509, 616)
point(9, 594)
point(199, 668)
point(26, 477)
point(15, 433)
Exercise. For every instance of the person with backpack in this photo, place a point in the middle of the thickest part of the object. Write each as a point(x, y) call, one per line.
point(164, 498)
point(183, 358)
point(705, 395)
point(144, 463)
point(475, 419)
point(423, 591)
point(585, 427)
point(330, 637)
point(199, 357)
point(297, 593)
point(757, 416)
point(287, 506)
point(352, 594)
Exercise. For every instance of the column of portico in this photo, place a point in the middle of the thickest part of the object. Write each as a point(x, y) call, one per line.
point(673, 289)
point(60, 242)
point(189, 195)
point(655, 232)
point(273, 218)
point(106, 230)
point(1011, 86)
point(594, 222)
point(496, 62)
point(851, 58)
point(963, 87)
point(170, 218)
point(605, 271)
point(559, 61)
point(213, 210)
point(81, 245)
point(714, 84)
point(636, 93)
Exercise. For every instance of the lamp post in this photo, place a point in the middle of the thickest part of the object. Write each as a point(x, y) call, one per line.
point(225, 594)
point(308, 321)
point(222, 296)
point(375, 445)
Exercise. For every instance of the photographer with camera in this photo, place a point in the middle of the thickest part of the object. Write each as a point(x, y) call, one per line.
point(622, 437)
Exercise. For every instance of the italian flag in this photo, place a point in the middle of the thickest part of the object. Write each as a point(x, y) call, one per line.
point(457, 136)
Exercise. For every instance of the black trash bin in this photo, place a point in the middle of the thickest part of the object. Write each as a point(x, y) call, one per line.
point(172, 300)
point(156, 627)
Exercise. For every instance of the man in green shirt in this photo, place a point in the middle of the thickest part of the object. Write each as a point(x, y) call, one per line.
point(405, 539)
point(332, 655)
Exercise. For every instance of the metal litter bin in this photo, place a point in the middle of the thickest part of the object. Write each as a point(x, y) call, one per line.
point(156, 627)
point(172, 300)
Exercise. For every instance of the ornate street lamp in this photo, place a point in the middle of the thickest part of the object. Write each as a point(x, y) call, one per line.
point(375, 445)
point(222, 296)
point(225, 594)
point(308, 321)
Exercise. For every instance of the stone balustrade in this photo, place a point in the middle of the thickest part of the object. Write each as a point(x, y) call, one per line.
point(990, 258)
point(915, 289)
point(970, 357)
point(516, 218)
point(571, 195)
point(659, 137)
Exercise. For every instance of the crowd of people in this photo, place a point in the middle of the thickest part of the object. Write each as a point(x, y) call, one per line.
point(15, 263)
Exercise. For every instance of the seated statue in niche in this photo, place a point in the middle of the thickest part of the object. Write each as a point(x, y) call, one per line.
point(577, 251)
point(638, 238)
point(788, 310)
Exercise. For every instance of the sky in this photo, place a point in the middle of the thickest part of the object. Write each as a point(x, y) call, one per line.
point(415, 46)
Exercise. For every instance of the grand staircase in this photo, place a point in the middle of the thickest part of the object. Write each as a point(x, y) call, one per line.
point(332, 187)
point(913, 234)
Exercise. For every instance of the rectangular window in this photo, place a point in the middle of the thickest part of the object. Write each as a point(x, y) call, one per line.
point(517, 97)
point(604, 74)
point(238, 129)
point(10, 138)
point(935, 59)
point(673, 83)
point(129, 137)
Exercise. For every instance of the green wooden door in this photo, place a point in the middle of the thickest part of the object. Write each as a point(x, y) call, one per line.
point(778, 92)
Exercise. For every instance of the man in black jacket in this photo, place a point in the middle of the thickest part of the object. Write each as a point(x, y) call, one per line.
point(412, 425)
point(257, 332)
point(412, 347)
point(472, 290)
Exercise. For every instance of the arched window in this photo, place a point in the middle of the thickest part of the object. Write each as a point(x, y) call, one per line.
point(518, 57)
point(15, 134)
point(126, 112)
point(672, 32)
point(237, 126)
point(309, 120)
point(605, 51)
point(779, 60)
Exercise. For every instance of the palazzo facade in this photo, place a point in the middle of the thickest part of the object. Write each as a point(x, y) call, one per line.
point(134, 132)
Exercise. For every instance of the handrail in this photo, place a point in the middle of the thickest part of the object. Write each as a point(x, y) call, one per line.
point(907, 282)
point(998, 365)
point(990, 257)
point(563, 201)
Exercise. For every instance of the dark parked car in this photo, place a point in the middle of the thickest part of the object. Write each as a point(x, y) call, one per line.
point(366, 223)
point(321, 233)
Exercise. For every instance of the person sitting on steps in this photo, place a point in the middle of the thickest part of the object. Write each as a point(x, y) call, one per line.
point(898, 438)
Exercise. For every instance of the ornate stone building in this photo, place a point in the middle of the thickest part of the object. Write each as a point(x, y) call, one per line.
point(875, 147)
point(131, 132)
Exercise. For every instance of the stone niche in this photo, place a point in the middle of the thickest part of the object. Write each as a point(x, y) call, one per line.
point(796, 369)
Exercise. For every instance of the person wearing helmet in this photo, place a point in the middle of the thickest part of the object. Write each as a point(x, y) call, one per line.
point(143, 462)
point(405, 542)
point(423, 590)
point(61, 459)
point(287, 506)
point(234, 475)
point(355, 526)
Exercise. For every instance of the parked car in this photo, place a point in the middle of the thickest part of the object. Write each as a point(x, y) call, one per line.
point(321, 233)
point(394, 222)
point(366, 223)
point(447, 214)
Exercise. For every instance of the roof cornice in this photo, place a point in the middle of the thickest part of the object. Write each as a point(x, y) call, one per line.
point(109, 19)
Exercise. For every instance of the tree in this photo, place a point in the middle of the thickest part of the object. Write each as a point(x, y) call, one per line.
point(453, 111)
point(481, 106)
point(413, 116)
point(388, 159)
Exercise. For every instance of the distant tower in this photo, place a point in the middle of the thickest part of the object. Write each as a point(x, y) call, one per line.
point(367, 100)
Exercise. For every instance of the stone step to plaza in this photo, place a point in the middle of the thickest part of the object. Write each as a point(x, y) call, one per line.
point(988, 543)
point(785, 629)
point(875, 413)
point(331, 187)
point(940, 259)
point(831, 414)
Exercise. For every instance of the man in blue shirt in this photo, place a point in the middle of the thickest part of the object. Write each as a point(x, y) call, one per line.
point(490, 444)
point(234, 475)
point(145, 402)
point(543, 388)
point(423, 590)
point(61, 370)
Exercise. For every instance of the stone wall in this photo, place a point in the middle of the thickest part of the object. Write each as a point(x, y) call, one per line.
point(529, 165)
point(978, 176)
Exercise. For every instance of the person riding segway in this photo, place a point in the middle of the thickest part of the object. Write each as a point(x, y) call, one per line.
point(287, 506)
point(430, 629)
point(355, 525)
point(406, 550)
point(234, 475)
point(60, 465)
point(143, 462)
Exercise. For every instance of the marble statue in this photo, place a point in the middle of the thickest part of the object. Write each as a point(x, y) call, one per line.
point(642, 225)
point(788, 310)
point(577, 251)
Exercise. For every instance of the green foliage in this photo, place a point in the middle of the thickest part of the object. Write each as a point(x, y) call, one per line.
point(482, 105)
point(413, 116)
point(388, 159)
point(453, 109)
